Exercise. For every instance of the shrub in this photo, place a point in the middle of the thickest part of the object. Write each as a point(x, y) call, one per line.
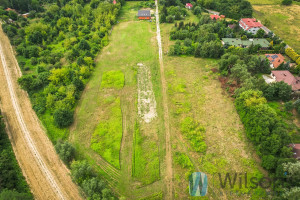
point(287, 2)
point(65, 151)
point(63, 117)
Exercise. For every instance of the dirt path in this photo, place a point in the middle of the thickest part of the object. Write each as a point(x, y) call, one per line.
point(47, 176)
point(169, 168)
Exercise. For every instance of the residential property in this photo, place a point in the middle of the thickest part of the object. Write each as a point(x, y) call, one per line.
point(287, 77)
point(114, 2)
point(251, 25)
point(9, 9)
point(188, 5)
point(216, 17)
point(275, 60)
point(213, 12)
point(26, 15)
point(267, 31)
point(144, 14)
point(296, 150)
point(232, 26)
point(222, 16)
point(246, 43)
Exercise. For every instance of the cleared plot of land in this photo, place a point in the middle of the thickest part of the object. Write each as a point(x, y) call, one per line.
point(284, 21)
point(265, 2)
point(195, 94)
point(132, 42)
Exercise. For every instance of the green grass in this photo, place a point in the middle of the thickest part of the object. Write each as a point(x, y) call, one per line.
point(183, 160)
point(131, 42)
point(112, 79)
point(194, 134)
point(284, 21)
point(157, 196)
point(145, 158)
point(106, 139)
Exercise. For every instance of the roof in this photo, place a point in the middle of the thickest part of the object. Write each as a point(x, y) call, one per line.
point(214, 16)
point(213, 12)
point(267, 31)
point(232, 26)
point(144, 13)
point(275, 59)
point(238, 42)
point(222, 16)
point(287, 77)
point(248, 23)
point(9, 9)
point(188, 5)
point(296, 150)
point(114, 2)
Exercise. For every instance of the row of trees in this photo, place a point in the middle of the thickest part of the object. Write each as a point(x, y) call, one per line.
point(234, 9)
point(293, 55)
point(12, 183)
point(58, 51)
point(83, 174)
point(270, 137)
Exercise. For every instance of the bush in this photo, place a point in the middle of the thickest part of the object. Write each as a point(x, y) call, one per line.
point(288, 106)
point(63, 117)
point(287, 2)
point(65, 151)
point(170, 19)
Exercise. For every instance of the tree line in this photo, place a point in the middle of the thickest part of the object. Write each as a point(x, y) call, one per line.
point(12, 182)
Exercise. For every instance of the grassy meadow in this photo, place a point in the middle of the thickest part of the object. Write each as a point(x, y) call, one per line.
point(106, 116)
point(207, 134)
point(284, 20)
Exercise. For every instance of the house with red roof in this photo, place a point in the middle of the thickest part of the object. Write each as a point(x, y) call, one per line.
point(287, 77)
point(114, 2)
point(275, 60)
point(216, 17)
point(188, 5)
point(296, 150)
point(251, 25)
point(9, 9)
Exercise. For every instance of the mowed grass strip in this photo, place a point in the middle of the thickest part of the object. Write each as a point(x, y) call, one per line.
point(106, 139)
point(145, 159)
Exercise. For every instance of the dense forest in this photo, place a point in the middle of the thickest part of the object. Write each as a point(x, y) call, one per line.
point(12, 182)
point(22, 5)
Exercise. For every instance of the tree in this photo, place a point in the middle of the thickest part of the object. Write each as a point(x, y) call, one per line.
point(170, 19)
point(65, 151)
point(63, 117)
point(260, 33)
point(14, 195)
point(269, 162)
point(81, 171)
point(93, 186)
point(197, 10)
point(293, 171)
point(286, 2)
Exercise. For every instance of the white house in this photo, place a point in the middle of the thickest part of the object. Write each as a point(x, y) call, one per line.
point(250, 25)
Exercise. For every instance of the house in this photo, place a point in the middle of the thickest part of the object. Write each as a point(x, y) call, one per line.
point(246, 43)
point(250, 25)
point(275, 60)
point(114, 2)
point(222, 16)
point(267, 31)
point(213, 12)
point(287, 77)
point(26, 15)
point(188, 5)
point(216, 17)
point(144, 14)
point(296, 150)
point(9, 9)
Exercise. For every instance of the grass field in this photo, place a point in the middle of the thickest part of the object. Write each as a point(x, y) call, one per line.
point(195, 94)
point(109, 126)
point(284, 20)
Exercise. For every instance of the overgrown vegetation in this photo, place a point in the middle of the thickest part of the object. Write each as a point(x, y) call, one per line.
point(106, 139)
point(12, 182)
point(112, 79)
point(145, 163)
